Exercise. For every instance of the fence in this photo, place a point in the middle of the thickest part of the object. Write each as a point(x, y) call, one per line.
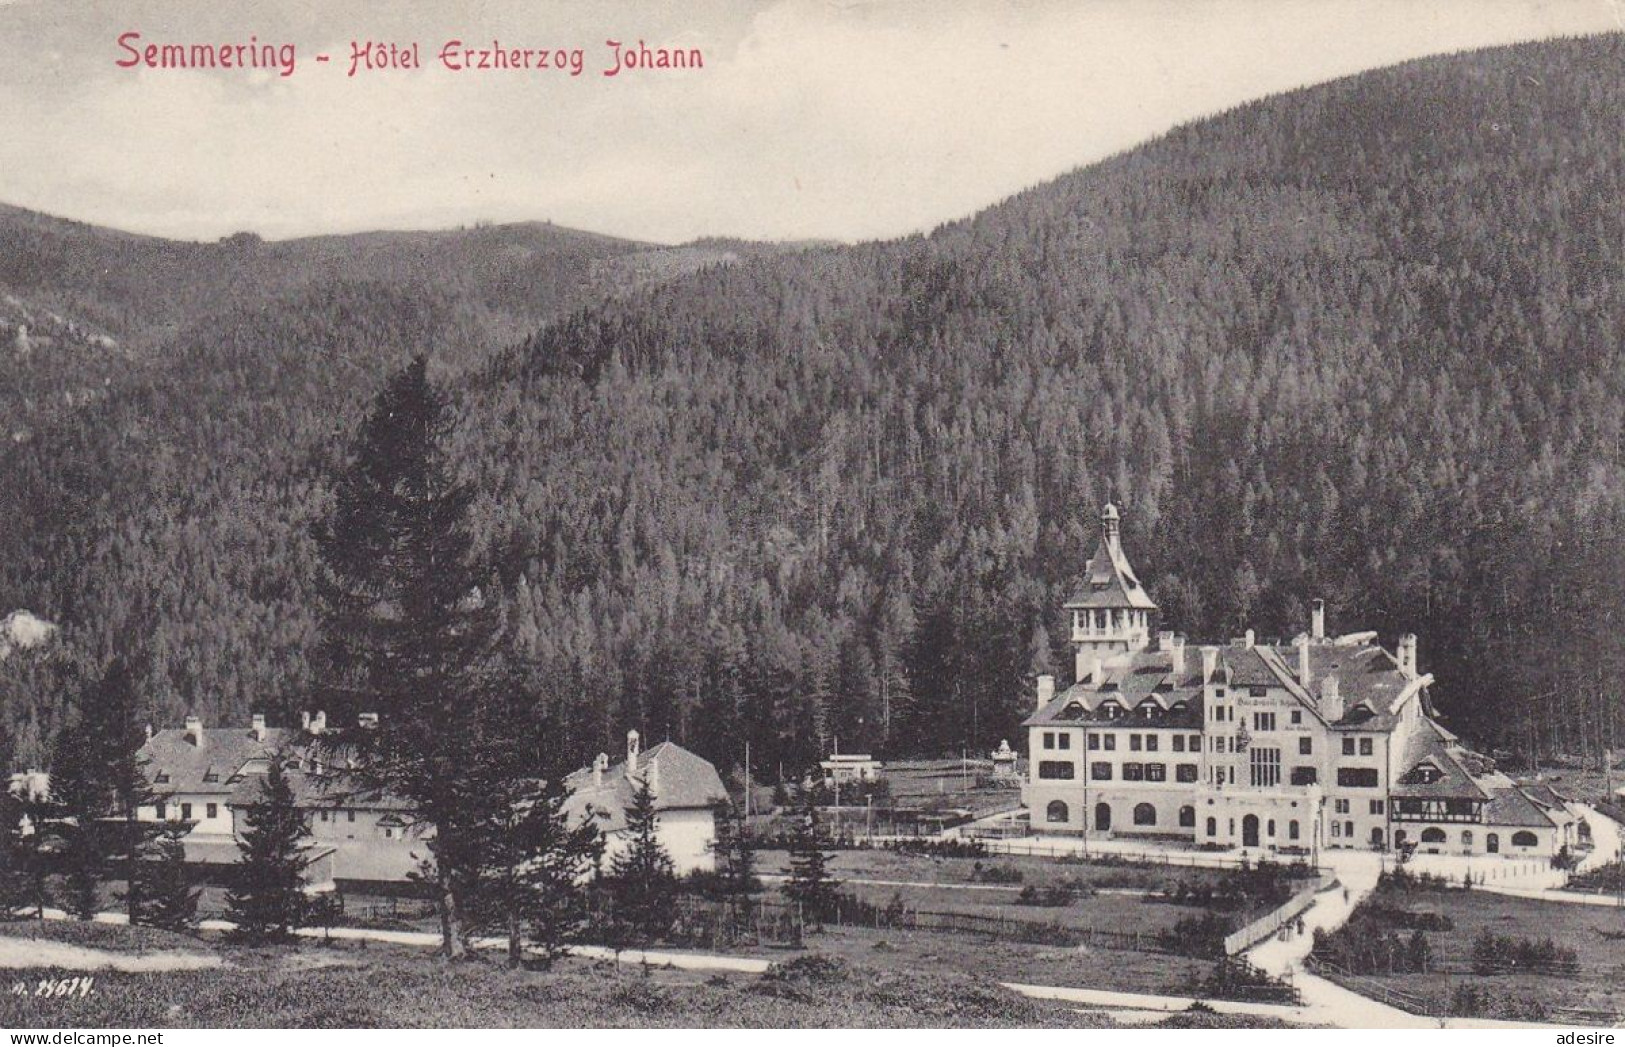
point(1187, 859)
point(1272, 922)
point(1427, 1006)
point(1405, 1001)
point(851, 913)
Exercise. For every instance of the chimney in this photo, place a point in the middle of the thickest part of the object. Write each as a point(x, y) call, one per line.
point(1176, 651)
point(1210, 662)
point(1250, 639)
point(318, 722)
point(651, 776)
point(1046, 690)
point(368, 720)
point(258, 727)
point(1165, 640)
point(1303, 660)
point(149, 732)
point(600, 764)
point(304, 721)
point(1331, 700)
point(1407, 654)
point(194, 730)
point(631, 749)
point(1317, 619)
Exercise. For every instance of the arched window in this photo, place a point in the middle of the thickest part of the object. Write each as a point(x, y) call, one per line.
point(1187, 817)
point(1433, 834)
point(1056, 811)
point(1213, 827)
point(1492, 843)
point(1103, 816)
point(1466, 837)
point(1292, 829)
point(1145, 814)
point(1524, 839)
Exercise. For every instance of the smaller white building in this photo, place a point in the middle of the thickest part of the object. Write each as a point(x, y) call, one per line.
point(842, 768)
point(686, 790)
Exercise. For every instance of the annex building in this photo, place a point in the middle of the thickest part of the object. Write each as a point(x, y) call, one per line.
point(1321, 742)
point(205, 777)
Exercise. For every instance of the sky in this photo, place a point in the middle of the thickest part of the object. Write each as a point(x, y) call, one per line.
point(810, 119)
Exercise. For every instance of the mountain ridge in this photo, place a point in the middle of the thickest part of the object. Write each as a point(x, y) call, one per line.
point(1346, 342)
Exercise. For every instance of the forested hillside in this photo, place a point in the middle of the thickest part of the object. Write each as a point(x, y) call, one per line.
point(1360, 341)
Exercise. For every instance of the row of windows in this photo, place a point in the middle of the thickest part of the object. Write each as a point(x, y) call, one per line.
point(1436, 810)
point(1366, 746)
point(1100, 771)
point(1293, 832)
point(211, 810)
point(1342, 806)
point(1144, 814)
point(1357, 777)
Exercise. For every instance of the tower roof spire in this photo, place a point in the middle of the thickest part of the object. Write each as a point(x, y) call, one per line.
point(1110, 580)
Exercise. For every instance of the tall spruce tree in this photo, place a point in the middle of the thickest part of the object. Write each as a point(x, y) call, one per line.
point(810, 885)
point(129, 788)
point(98, 786)
point(409, 626)
point(169, 888)
point(16, 859)
point(643, 880)
point(79, 800)
point(268, 900)
point(534, 860)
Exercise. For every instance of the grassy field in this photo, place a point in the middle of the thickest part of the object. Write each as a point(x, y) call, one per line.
point(1599, 985)
point(1108, 896)
point(881, 864)
point(851, 979)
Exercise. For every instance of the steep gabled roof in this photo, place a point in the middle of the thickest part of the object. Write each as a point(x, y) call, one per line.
point(1427, 745)
point(174, 764)
point(685, 782)
point(1511, 806)
point(330, 790)
point(1109, 581)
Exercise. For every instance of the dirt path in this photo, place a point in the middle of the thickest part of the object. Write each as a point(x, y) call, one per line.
point(33, 952)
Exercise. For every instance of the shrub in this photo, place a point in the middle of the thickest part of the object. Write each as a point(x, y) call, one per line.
point(995, 874)
point(1200, 936)
point(1500, 954)
point(1049, 896)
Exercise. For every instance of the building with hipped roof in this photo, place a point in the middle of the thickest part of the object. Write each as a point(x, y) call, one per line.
point(686, 789)
point(360, 836)
point(1321, 742)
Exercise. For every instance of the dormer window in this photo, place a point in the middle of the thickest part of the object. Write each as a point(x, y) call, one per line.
point(162, 777)
point(1425, 773)
point(211, 775)
point(1073, 711)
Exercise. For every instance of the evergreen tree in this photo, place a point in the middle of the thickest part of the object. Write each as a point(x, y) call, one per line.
point(810, 885)
point(16, 856)
point(534, 863)
point(1418, 953)
point(120, 737)
point(79, 798)
point(735, 856)
point(169, 888)
point(409, 627)
point(268, 900)
point(642, 877)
